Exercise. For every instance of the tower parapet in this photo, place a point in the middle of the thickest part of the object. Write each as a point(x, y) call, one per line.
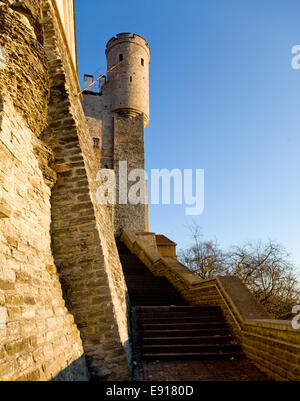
point(129, 81)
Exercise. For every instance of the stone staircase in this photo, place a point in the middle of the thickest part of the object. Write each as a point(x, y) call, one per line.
point(143, 288)
point(184, 332)
point(164, 327)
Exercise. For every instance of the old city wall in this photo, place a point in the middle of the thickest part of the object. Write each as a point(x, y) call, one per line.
point(83, 237)
point(42, 124)
point(38, 337)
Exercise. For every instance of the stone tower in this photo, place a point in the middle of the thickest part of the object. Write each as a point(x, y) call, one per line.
point(130, 80)
point(117, 115)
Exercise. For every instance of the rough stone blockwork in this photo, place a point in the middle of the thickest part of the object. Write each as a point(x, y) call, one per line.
point(129, 147)
point(38, 337)
point(274, 346)
point(83, 241)
point(97, 107)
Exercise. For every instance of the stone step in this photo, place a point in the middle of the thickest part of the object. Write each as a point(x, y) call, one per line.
point(149, 303)
point(186, 333)
point(182, 319)
point(147, 278)
point(190, 348)
point(148, 298)
point(148, 293)
point(170, 299)
point(184, 326)
point(144, 289)
point(179, 308)
point(179, 315)
point(153, 294)
point(213, 339)
point(191, 355)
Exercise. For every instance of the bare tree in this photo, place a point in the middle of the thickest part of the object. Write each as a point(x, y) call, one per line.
point(267, 271)
point(264, 267)
point(204, 258)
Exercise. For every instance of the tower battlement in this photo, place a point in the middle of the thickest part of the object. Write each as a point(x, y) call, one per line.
point(125, 37)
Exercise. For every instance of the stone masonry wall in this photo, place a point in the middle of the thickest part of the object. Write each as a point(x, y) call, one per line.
point(274, 346)
point(97, 107)
point(129, 147)
point(38, 337)
point(83, 237)
point(121, 139)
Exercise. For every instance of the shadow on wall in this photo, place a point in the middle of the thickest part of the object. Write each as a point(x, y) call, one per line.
point(77, 371)
point(128, 345)
point(96, 372)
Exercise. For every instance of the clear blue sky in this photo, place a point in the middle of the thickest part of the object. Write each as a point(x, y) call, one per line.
point(223, 98)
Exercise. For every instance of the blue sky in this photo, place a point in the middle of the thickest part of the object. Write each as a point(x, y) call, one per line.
point(223, 98)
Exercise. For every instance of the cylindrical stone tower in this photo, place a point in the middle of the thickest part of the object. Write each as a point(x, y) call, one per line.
point(129, 81)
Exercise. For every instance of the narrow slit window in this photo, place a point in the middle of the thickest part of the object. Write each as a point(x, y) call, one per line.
point(130, 79)
point(142, 62)
point(96, 143)
point(121, 57)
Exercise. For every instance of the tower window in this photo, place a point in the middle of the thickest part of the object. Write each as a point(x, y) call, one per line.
point(130, 79)
point(142, 62)
point(121, 57)
point(96, 143)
